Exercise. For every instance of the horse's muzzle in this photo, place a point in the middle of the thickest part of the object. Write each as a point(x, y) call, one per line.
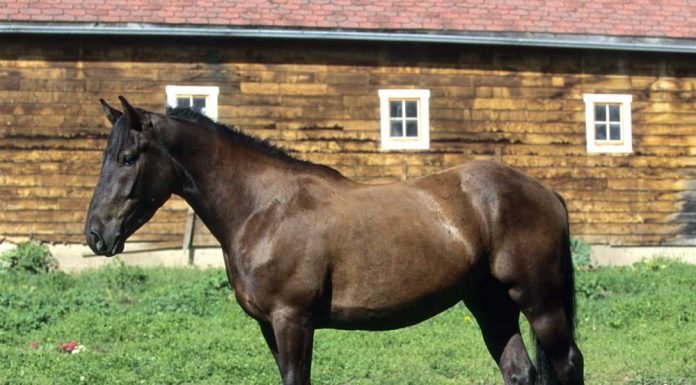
point(101, 244)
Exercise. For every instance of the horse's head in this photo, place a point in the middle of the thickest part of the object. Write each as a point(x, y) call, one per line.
point(136, 179)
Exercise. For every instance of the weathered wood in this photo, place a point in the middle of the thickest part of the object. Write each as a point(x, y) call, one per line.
point(520, 106)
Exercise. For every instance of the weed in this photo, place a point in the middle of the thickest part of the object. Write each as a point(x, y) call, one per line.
point(29, 257)
point(580, 252)
point(591, 288)
point(122, 277)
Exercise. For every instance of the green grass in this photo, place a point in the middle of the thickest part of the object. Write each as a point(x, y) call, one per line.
point(637, 325)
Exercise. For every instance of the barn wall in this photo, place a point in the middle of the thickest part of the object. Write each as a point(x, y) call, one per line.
point(522, 107)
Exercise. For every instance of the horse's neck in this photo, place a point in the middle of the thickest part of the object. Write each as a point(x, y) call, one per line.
point(224, 180)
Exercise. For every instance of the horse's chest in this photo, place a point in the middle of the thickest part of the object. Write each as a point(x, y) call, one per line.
point(249, 305)
point(252, 283)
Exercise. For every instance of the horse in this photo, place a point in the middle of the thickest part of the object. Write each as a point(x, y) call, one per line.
point(307, 248)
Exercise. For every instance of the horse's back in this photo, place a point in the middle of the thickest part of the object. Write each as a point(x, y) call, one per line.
point(500, 194)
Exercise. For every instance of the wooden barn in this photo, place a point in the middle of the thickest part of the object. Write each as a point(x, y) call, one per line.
point(595, 99)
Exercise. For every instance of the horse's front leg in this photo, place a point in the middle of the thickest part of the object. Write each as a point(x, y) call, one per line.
point(269, 336)
point(294, 336)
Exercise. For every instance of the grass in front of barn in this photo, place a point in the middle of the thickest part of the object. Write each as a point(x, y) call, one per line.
point(182, 326)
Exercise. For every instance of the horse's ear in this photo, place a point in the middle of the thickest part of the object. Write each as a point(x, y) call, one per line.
point(135, 118)
point(111, 113)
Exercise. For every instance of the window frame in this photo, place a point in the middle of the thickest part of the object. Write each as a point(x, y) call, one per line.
point(608, 146)
point(210, 92)
point(420, 142)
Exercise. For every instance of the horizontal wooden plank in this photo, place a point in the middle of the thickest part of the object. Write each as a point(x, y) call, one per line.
point(635, 184)
point(532, 156)
point(632, 217)
point(664, 229)
point(46, 228)
point(17, 198)
point(41, 169)
point(71, 216)
point(624, 239)
point(75, 201)
point(63, 191)
point(675, 198)
point(155, 239)
point(50, 180)
point(641, 154)
point(643, 166)
point(675, 174)
point(50, 155)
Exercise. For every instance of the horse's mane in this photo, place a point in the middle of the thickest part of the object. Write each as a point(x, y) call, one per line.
point(233, 133)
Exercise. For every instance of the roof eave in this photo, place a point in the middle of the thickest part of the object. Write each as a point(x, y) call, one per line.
point(621, 43)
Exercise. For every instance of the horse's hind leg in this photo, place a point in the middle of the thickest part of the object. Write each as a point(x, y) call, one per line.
point(549, 323)
point(498, 318)
point(546, 297)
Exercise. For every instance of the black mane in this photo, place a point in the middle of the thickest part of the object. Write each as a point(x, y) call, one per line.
point(262, 145)
point(250, 140)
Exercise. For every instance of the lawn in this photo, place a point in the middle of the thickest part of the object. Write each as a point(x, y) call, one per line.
point(637, 325)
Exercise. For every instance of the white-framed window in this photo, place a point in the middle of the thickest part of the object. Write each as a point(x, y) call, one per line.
point(608, 123)
point(405, 119)
point(202, 99)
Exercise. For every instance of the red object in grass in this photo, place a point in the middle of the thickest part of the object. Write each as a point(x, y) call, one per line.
point(34, 345)
point(68, 347)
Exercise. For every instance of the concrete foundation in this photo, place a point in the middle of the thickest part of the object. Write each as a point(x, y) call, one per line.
point(622, 256)
point(74, 258)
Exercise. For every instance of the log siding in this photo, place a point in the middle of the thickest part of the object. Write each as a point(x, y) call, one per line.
point(521, 106)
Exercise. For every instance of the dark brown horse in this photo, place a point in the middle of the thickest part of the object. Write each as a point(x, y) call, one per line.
point(306, 248)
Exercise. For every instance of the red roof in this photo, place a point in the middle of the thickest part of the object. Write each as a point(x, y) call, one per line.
point(642, 18)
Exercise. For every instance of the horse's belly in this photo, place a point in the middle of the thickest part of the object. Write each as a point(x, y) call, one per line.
point(352, 316)
point(390, 295)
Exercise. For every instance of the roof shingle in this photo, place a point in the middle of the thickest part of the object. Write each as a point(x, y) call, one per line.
point(641, 18)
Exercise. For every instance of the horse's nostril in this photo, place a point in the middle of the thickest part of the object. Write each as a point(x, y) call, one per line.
point(98, 241)
point(116, 245)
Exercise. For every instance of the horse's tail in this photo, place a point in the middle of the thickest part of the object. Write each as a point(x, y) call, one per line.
point(545, 371)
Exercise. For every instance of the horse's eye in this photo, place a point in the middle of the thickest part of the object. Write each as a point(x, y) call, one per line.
point(129, 159)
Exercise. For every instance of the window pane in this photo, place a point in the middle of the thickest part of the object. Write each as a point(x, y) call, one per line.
point(395, 109)
point(615, 132)
point(600, 112)
point(411, 128)
point(183, 102)
point(198, 104)
point(600, 132)
point(614, 114)
point(411, 109)
point(397, 129)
